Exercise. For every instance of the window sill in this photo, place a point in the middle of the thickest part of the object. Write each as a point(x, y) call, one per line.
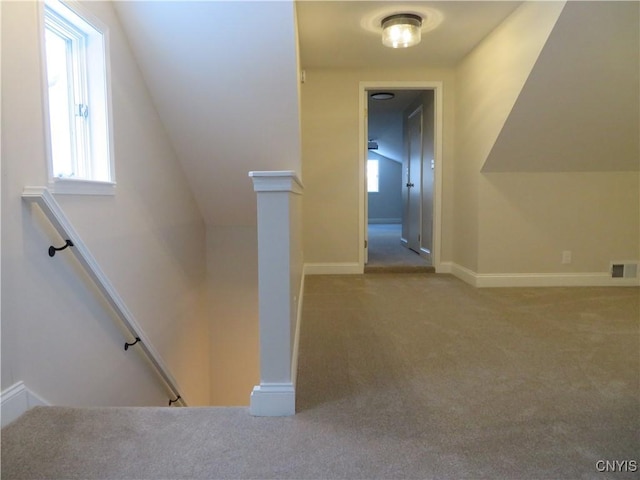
point(68, 186)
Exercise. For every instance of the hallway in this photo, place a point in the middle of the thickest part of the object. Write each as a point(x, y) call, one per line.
point(386, 254)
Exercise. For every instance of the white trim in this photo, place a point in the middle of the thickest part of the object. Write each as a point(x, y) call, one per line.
point(81, 187)
point(296, 338)
point(102, 95)
point(463, 273)
point(273, 400)
point(276, 181)
point(386, 221)
point(15, 401)
point(279, 323)
point(437, 87)
point(425, 253)
point(42, 197)
point(333, 268)
point(595, 279)
point(589, 279)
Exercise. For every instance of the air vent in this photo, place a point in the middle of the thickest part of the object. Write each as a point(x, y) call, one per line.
point(624, 270)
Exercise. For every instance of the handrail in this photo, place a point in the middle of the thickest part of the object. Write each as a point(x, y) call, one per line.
point(43, 198)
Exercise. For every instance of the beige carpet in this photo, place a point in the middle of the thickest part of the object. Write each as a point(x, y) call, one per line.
point(400, 376)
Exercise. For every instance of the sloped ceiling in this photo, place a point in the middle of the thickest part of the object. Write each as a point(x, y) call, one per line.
point(385, 122)
point(579, 109)
point(224, 79)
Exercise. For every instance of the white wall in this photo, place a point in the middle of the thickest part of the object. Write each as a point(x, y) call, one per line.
point(149, 238)
point(227, 92)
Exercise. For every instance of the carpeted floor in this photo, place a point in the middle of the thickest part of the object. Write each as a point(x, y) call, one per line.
point(400, 376)
point(388, 255)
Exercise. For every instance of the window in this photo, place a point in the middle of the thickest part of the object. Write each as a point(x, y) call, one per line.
point(77, 104)
point(372, 176)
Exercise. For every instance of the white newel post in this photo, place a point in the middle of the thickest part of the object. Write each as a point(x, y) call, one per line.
point(277, 217)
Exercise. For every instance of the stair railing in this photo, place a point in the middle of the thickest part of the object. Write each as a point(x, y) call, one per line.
point(50, 207)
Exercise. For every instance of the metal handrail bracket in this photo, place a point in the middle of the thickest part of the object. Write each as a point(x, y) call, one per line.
point(48, 204)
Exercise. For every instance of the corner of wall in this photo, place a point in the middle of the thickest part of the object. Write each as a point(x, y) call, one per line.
point(17, 400)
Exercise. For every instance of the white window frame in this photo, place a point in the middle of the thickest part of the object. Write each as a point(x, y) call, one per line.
point(92, 132)
point(371, 188)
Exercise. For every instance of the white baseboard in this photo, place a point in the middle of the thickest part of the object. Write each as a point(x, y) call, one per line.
point(273, 400)
point(464, 274)
point(296, 338)
point(333, 269)
point(488, 280)
point(15, 401)
point(384, 221)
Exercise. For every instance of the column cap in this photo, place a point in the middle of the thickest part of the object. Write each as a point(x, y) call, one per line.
point(276, 181)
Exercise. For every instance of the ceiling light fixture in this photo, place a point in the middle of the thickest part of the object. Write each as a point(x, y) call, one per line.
point(401, 30)
point(383, 95)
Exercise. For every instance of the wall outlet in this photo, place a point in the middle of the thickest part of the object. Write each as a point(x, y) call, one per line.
point(566, 257)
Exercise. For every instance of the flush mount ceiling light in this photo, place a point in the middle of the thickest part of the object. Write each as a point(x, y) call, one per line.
point(401, 30)
point(383, 95)
point(372, 21)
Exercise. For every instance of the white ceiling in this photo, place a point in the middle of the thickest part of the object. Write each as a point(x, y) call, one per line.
point(348, 34)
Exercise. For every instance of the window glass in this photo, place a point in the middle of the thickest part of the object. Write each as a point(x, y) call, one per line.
point(60, 103)
point(78, 97)
point(372, 176)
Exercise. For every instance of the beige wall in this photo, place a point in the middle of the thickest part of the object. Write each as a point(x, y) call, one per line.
point(492, 222)
point(232, 270)
point(57, 336)
point(521, 222)
point(488, 82)
point(330, 157)
point(528, 219)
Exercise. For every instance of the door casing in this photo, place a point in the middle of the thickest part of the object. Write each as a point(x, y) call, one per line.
point(364, 87)
point(412, 182)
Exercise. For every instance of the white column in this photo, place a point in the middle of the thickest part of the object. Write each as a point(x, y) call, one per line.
point(277, 217)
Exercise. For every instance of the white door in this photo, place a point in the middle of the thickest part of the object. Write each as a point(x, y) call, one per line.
point(413, 212)
point(366, 187)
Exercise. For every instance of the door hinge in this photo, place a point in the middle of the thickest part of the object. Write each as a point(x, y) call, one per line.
point(366, 244)
point(82, 110)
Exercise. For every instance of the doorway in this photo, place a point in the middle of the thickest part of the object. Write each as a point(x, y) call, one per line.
point(403, 137)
